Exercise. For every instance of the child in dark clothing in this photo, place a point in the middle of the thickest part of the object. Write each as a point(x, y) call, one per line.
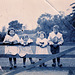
point(55, 40)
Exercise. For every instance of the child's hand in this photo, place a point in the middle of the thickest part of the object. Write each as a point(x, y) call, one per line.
point(7, 41)
point(40, 44)
point(15, 42)
point(25, 43)
point(55, 45)
point(43, 45)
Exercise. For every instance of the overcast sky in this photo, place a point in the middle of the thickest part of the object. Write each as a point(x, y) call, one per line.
point(28, 11)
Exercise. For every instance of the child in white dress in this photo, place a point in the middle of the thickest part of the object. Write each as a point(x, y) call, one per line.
point(23, 50)
point(11, 38)
point(41, 49)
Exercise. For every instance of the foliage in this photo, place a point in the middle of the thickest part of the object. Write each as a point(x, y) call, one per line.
point(47, 21)
point(15, 24)
point(73, 14)
point(2, 34)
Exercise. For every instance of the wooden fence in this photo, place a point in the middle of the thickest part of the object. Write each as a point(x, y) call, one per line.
point(44, 57)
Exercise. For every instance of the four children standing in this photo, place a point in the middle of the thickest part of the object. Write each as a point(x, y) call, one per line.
point(55, 39)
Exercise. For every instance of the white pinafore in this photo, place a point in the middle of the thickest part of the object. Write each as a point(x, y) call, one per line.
point(11, 49)
point(40, 50)
point(23, 50)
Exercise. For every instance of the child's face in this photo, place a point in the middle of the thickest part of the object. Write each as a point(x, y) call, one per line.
point(56, 30)
point(25, 38)
point(41, 36)
point(12, 32)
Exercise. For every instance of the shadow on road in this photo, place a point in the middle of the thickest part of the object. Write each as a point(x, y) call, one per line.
point(71, 70)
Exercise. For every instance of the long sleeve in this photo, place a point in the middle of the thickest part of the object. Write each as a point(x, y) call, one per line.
point(50, 40)
point(61, 40)
point(6, 39)
point(30, 40)
point(21, 41)
point(45, 42)
point(16, 38)
point(38, 41)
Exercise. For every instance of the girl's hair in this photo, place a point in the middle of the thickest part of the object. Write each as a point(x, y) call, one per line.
point(9, 31)
point(26, 36)
point(43, 33)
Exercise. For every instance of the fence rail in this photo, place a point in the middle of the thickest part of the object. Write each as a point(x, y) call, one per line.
point(44, 57)
point(50, 58)
point(34, 56)
point(34, 44)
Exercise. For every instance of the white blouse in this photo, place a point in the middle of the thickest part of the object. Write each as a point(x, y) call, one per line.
point(11, 49)
point(55, 38)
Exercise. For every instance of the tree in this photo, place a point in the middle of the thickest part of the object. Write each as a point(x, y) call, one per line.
point(72, 21)
point(73, 14)
point(47, 21)
point(15, 24)
point(4, 29)
point(2, 34)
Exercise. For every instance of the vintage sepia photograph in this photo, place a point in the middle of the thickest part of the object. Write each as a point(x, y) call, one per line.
point(37, 37)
